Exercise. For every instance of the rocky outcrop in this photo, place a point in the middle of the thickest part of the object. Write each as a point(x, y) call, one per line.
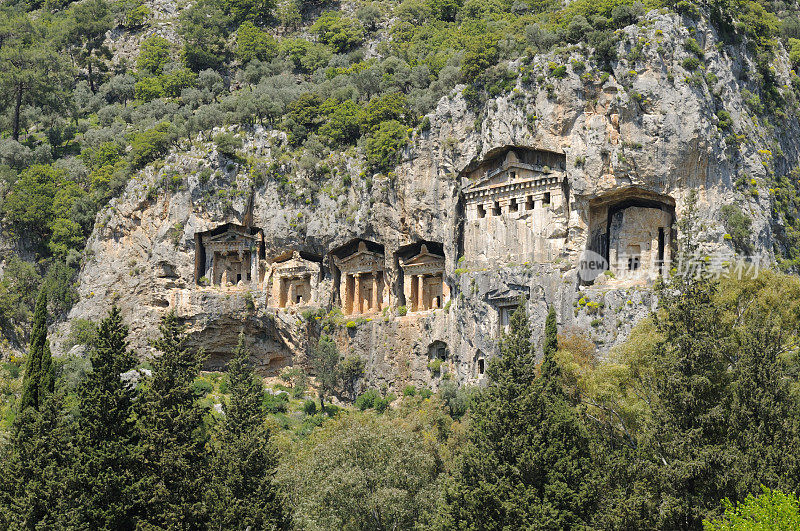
point(651, 127)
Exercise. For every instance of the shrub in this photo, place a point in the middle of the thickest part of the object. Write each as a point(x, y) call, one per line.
point(309, 407)
point(367, 399)
point(81, 332)
point(410, 390)
point(771, 510)
point(425, 393)
point(435, 366)
point(338, 32)
point(691, 63)
point(153, 55)
point(253, 43)
point(402, 310)
point(738, 225)
point(384, 145)
point(202, 387)
point(382, 404)
point(177, 80)
point(151, 144)
point(278, 403)
point(227, 144)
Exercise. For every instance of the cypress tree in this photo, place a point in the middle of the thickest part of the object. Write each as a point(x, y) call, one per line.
point(105, 469)
point(38, 380)
point(173, 436)
point(550, 370)
point(528, 463)
point(242, 493)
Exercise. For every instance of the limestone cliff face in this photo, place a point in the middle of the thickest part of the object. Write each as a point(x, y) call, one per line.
point(650, 130)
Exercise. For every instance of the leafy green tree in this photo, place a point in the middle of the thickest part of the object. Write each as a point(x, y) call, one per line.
point(151, 144)
point(771, 510)
point(303, 117)
point(90, 22)
point(338, 32)
point(342, 121)
point(259, 11)
point(362, 471)
point(480, 54)
point(204, 27)
point(31, 68)
point(529, 461)
point(105, 468)
point(17, 293)
point(154, 53)
point(29, 205)
point(173, 436)
point(384, 144)
point(39, 380)
point(242, 492)
point(254, 43)
point(383, 108)
point(326, 365)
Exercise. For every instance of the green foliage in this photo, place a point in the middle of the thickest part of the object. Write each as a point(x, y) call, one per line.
point(481, 53)
point(309, 407)
point(242, 492)
point(325, 358)
point(738, 224)
point(367, 399)
point(173, 435)
point(29, 205)
point(384, 108)
point(772, 509)
point(254, 43)
point(383, 145)
point(39, 380)
point(361, 472)
point(228, 144)
point(154, 54)
point(552, 482)
point(151, 144)
point(277, 403)
point(104, 471)
point(338, 32)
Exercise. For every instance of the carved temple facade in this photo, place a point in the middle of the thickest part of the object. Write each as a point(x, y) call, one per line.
point(516, 207)
point(294, 280)
point(362, 284)
point(229, 256)
point(424, 287)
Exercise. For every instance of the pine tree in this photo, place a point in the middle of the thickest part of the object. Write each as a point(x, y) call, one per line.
point(173, 436)
point(550, 370)
point(528, 463)
point(685, 436)
point(242, 493)
point(105, 467)
point(38, 380)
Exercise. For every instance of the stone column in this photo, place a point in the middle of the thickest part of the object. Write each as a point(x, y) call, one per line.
point(307, 278)
point(411, 295)
point(421, 292)
point(375, 295)
point(357, 294)
point(290, 300)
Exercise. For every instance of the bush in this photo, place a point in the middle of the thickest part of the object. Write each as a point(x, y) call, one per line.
point(402, 310)
point(227, 144)
point(338, 32)
point(425, 393)
point(201, 387)
point(738, 224)
point(153, 55)
point(310, 407)
point(151, 144)
point(253, 43)
point(691, 63)
point(276, 403)
point(384, 145)
point(382, 404)
point(410, 390)
point(367, 399)
point(771, 510)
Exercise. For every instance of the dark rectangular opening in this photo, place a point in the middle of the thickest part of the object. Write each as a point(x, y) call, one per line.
point(496, 211)
point(633, 263)
point(661, 241)
point(529, 203)
point(481, 366)
point(513, 206)
point(481, 212)
point(238, 277)
point(546, 199)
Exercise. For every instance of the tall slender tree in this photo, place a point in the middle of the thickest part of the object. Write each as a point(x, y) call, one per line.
point(38, 380)
point(242, 493)
point(105, 466)
point(528, 463)
point(173, 436)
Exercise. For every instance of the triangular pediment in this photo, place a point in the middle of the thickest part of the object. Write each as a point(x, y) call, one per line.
point(230, 236)
point(424, 259)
